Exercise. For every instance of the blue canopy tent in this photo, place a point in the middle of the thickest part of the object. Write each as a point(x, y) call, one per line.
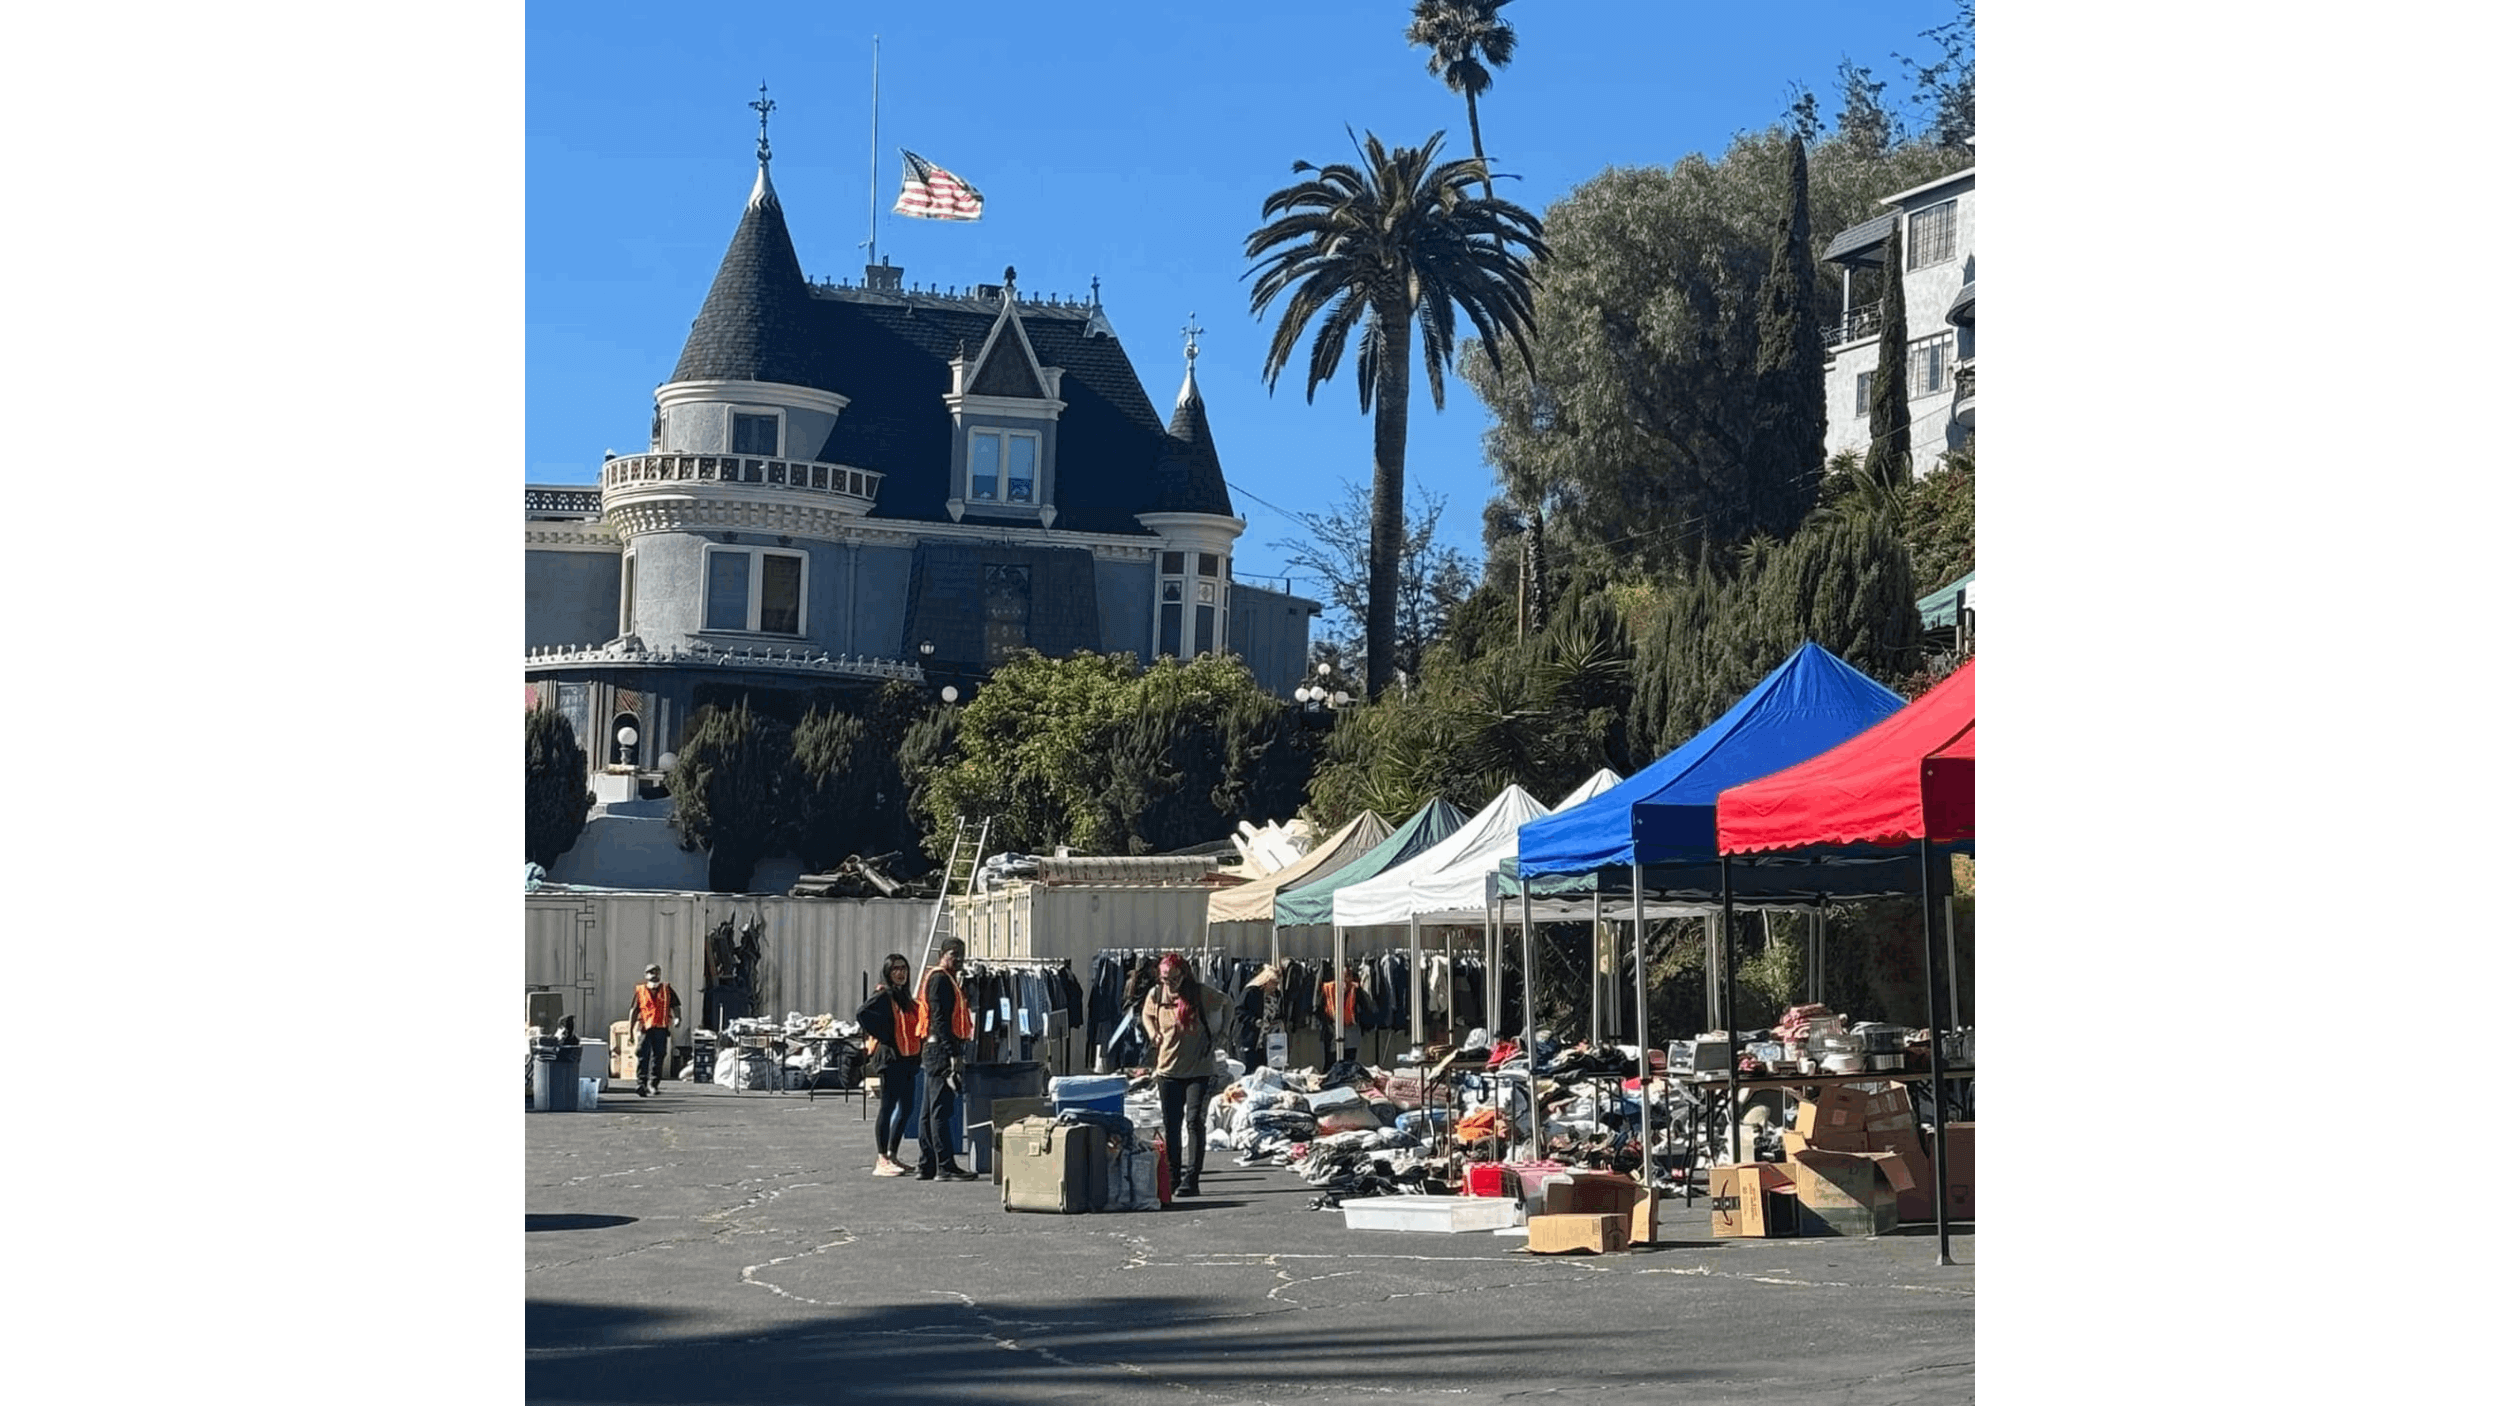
point(1666, 814)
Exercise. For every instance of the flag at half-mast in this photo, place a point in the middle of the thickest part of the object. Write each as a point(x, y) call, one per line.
point(931, 192)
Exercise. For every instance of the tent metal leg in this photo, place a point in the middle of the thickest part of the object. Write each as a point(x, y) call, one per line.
point(1936, 879)
point(1727, 1007)
point(1527, 977)
point(1640, 1035)
point(1414, 981)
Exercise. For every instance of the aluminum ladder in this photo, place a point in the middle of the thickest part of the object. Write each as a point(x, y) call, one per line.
point(961, 867)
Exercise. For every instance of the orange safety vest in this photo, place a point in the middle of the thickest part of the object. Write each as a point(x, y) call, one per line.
point(961, 1020)
point(651, 1006)
point(907, 1031)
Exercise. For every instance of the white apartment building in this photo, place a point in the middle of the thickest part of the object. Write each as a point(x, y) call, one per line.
point(1940, 225)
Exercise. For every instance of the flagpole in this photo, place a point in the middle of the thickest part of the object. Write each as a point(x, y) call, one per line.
point(872, 148)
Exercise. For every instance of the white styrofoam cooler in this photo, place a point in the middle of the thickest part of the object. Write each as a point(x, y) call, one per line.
point(1442, 1214)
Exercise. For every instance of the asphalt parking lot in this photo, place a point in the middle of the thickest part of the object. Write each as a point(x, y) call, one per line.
point(705, 1246)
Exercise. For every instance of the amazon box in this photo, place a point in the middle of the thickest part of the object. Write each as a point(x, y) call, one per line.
point(1751, 1199)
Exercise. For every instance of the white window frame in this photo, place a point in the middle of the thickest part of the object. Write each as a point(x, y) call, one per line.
point(625, 603)
point(1006, 455)
point(1944, 213)
point(755, 590)
point(1942, 342)
point(781, 431)
point(1188, 646)
point(1866, 387)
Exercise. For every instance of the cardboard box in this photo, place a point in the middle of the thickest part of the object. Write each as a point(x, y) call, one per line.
point(1749, 1199)
point(1957, 1168)
point(1836, 1108)
point(1843, 1193)
point(624, 1051)
point(1645, 1219)
point(1565, 1234)
point(1918, 1201)
point(1794, 1143)
point(1591, 1194)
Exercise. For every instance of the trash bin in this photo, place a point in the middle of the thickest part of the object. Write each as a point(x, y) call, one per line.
point(555, 1077)
point(985, 1084)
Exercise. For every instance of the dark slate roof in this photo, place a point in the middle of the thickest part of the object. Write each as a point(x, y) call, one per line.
point(1188, 477)
point(888, 352)
point(756, 323)
point(1857, 241)
point(1964, 305)
point(1007, 372)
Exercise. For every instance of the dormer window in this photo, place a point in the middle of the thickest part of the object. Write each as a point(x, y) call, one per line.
point(1017, 452)
point(759, 435)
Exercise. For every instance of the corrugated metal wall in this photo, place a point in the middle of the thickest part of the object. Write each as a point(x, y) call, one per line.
point(593, 947)
point(1074, 921)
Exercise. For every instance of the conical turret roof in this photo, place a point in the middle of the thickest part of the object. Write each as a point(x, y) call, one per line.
point(755, 322)
point(1189, 478)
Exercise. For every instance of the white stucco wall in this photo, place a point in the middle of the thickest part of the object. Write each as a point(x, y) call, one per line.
point(1925, 294)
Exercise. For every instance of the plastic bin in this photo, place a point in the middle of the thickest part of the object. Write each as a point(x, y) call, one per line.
point(555, 1077)
point(1103, 1093)
point(587, 1099)
point(1435, 1214)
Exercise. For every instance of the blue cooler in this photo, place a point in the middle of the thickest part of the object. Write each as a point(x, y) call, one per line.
point(1103, 1093)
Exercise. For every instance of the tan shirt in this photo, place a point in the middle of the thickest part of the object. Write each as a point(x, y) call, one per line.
point(1186, 1054)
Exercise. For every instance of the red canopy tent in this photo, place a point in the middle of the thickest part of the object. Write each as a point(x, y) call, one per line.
point(1905, 781)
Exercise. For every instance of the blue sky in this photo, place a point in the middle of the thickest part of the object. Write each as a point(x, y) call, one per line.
point(1129, 142)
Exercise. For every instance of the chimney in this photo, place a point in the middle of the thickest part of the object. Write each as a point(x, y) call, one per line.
point(885, 277)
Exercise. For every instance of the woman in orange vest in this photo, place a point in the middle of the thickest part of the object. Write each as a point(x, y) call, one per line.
point(944, 1024)
point(891, 1018)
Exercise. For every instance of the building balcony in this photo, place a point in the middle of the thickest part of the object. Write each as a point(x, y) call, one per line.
point(656, 492)
point(832, 480)
point(1856, 324)
point(1966, 390)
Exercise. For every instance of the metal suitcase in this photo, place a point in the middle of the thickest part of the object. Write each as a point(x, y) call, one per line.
point(1051, 1168)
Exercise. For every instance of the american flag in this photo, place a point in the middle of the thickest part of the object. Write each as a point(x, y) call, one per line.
point(932, 192)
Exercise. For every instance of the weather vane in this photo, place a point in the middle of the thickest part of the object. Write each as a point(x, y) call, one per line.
point(763, 106)
point(1189, 337)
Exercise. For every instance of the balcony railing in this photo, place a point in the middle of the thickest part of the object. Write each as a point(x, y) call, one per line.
point(637, 469)
point(561, 502)
point(794, 658)
point(1966, 380)
point(1854, 324)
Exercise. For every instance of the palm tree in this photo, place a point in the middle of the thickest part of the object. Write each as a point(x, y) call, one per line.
point(1468, 40)
point(1389, 244)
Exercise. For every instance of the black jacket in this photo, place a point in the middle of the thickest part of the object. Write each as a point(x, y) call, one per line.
point(941, 1048)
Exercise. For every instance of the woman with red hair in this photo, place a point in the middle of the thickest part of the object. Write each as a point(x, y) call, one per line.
point(1181, 1018)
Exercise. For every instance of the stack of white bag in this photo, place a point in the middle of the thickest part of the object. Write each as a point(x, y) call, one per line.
point(746, 1069)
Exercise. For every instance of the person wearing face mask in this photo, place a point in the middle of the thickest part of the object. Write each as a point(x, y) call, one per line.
point(1182, 1019)
point(890, 1018)
point(655, 1013)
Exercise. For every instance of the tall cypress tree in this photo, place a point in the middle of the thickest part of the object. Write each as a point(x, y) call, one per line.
point(1888, 408)
point(1788, 364)
point(558, 793)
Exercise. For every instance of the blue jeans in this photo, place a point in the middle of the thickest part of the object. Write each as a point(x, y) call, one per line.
point(651, 1061)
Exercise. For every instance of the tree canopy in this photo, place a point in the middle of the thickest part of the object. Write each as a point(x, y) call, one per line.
point(1641, 425)
point(1385, 248)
